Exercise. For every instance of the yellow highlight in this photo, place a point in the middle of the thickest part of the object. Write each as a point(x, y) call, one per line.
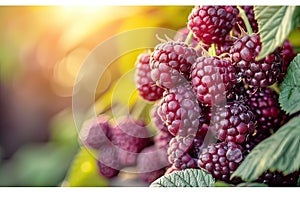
point(86, 167)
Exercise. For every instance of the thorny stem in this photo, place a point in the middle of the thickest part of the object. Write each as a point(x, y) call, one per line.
point(246, 21)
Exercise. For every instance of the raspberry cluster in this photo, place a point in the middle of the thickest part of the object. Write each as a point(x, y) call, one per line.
point(212, 103)
point(217, 105)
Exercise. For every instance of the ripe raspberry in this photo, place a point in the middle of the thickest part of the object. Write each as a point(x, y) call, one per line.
point(224, 47)
point(145, 85)
point(260, 73)
point(250, 15)
point(178, 152)
point(277, 179)
point(221, 159)
point(233, 122)
point(288, 54)
point(254, 139)
point(130, 137)
point(211, 24)
point(170, 63)
point(161, 142)
point(264, 104)
point(157, 121)
point(96, 132)
point(198, 140)
point(149, 164)
point(108, 162)
point(180, 110)
point(211, 78)
point(238, 92)
point(181, 36)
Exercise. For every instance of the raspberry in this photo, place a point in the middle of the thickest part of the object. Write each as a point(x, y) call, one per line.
point(170, 63)
point(181, 36)
point(267, 111)
point(211, 78)
point(149, 165)
point(233, 122)
point(254, 139)
point(277, 179)
point(211, 24)
point(130, 137)
point(161, 142)
point(221, 159)
point(224, 47)
point(260, 73)
point(197, 145)
point(288, 54)
point(178, 152)
point(180, 110)
point(157, 121)
point(238, 92)
point(250, 15)
point(107, 162)
point(145, 85)
point(96, 132)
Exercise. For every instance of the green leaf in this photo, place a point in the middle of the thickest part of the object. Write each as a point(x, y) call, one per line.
point(289, 97)
point(83, 171)
point(275, 24)
point(185, 178)
point(252, 184)
point(222, 184)
point(280, 152)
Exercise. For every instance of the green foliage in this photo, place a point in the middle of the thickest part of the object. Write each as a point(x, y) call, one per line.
point(222, 184)
point(36, 165)
point(275, 24)
point(280, 152)
point(83, 170)
point(289, 97)
point(185, 178)
point(251, 184)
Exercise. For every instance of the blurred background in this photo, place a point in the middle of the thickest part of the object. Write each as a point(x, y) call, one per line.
point(41, 51)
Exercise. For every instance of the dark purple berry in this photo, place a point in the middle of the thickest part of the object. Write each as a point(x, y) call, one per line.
point(233, 122)
point(260, 73)
point(267, 111)
point(211, 24)
point(251, 18)
point(96, 132)
point(288, 54)
point(130, 137)
point(157, 121)
point(149, 164)
point(180, 110)
point(221, 159)
point(178, 154)
point(145, 85)
point(212, 78)
point(108, 162)
point(278, 179)
point(170, 63)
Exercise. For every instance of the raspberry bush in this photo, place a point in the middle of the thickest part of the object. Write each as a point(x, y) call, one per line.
point(223, 98)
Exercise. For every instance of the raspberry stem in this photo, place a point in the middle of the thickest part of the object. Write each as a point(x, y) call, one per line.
point(245, 19)
point(212, 50)
point(189, 38)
